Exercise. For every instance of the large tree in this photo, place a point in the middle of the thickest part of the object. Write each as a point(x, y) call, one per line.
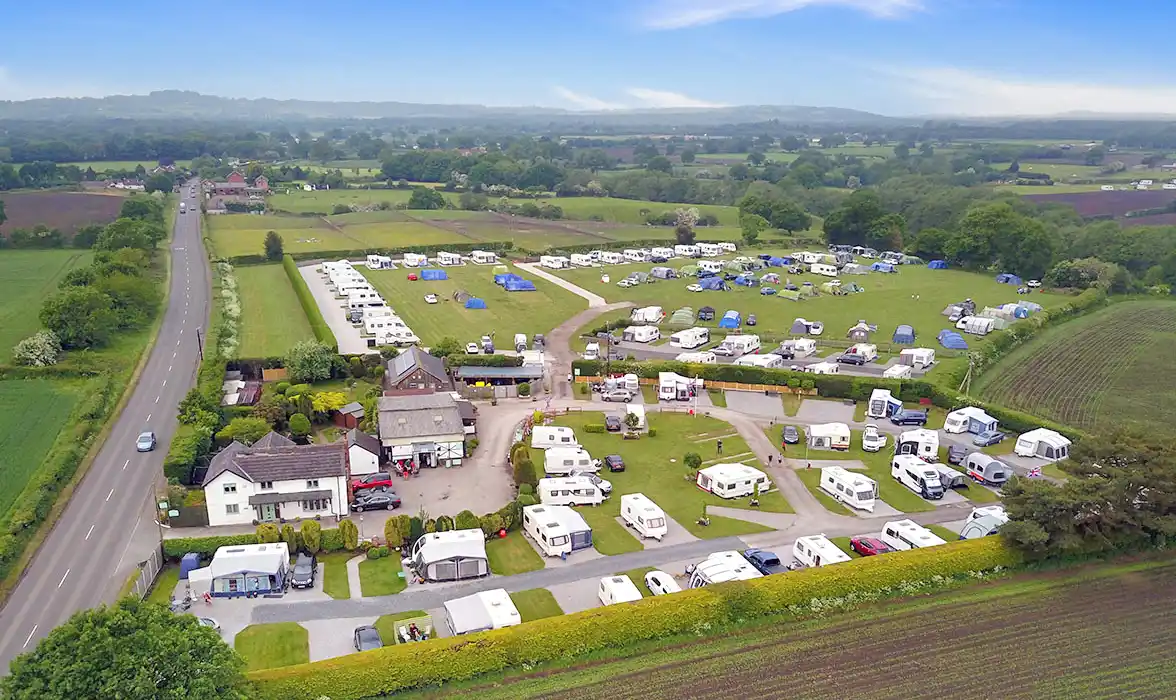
point(3, 216)
point(858, 221)
point(273, 246)
point(81, 317)
point(309, 361)
point(425, 198)
point(128, 650)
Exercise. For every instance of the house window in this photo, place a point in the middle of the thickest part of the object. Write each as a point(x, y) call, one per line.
point(267, 485)
point(232, 509)
point(312, 483)
point(317, 504)
point(230, 488)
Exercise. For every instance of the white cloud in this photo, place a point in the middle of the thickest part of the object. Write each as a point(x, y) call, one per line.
point(676, 14)
point(578, 100)
point(663, 99)
point(958, 91)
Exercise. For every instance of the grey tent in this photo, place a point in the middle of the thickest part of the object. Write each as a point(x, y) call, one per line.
point(688, 270)
point(799, 326)
point(983, 526)
point(461, 296)
point(706, 313)
point(682, 317)
point(855, 269)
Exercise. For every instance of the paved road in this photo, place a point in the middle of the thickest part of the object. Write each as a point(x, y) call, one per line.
point(108, 526)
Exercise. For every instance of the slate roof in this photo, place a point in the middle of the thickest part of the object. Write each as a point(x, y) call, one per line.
point(418, 416)
point(279, 462)
point(272, 439)
point(408, 361)
point(355, 436)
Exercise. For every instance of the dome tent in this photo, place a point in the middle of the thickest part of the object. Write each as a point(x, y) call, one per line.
point(475, 303)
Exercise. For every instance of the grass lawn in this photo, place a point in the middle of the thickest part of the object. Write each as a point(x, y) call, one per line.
point(655, 467)
point(649, 394)
point(507, 313)
point(336, 582)
point(323, 201)
point(165, 585)
point(381, 576)
point(718, 397)
point(637, 576)
point(943, 532)
point(272, 321)
point(843, 544)
point(26, 278)
point(512, 555)
point(273, 645)
point(791, 403)
point(24, 445)
point(609, 536)
point(536, 604)
point(630, 211)
point(386, 624)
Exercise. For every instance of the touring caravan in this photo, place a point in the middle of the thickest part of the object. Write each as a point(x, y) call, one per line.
point(382, 325)
point(686, 251)
point(907, 534)
point(672, 386)
point(480, 612)
point(968, 419)
point(581, 260)
point(823, 269)
point(690, 338)
point(803, 347)
point(483, 257)
point(917, 475)
point(617, 589)
point(570, 491)
point(364, 297)
point(828, 436)
point(721, 567)
point(727, 246)
point(715, 266)
point(379, 262)
point(633, 255)
point(666, 253)
point(349, 287)
point(768, 361)
point(897, 372)
point(399, 336)
point(709, 250)
point(823, 368)
point(732, 480)
point(545, 436)
point(809, 258)
point(452, 555)
point(643, 515)
point(558, 461)
point(918, 358)
point(611, 258)
point(853, 489)
point(697, 358)
point(817, 550)
point(1044, 444)
point(641, 334)
point(557, 530)
point(868, 352)
point(554, 262)
point(415, 260)
point(738, 345)
point(647, 314)
point(882, 404)
point(920, 442)
point(986, 469)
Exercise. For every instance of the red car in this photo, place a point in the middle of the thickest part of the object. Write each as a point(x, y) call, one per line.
point(869, 546)
point(372, 481)
point(412, 277)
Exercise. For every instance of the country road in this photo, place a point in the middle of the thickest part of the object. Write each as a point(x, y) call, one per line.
point(109, 524)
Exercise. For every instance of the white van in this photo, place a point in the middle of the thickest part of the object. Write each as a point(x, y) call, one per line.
point(817, 550)
point(545, 436)
point(738, 345)
point(570, 491)
point(721, 567)
point(559, 461)
point(697, 358)
point(907, 534)
point(823, 269)
point(690, 338)
point(710, 250)
point(917, 475)
point(641, 334)
point(853, 489)
point(643, 515)
point(547, 532)
point(768, 361)
point(618, 589)
point(592, 351)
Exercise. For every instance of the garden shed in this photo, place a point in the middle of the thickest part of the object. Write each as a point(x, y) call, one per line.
point(904, 335)
point(731, 319)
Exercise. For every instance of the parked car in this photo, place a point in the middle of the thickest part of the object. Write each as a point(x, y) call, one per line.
point(472, 348)
point(617, 395)
point(956, 454)
point(372, 481)
point(1033, 284)
point(613, 424)
point(145, 442)
point(851, 359)
point(604, 485)
point(412, 277)
point(765, 562)
point(988, 437)
point(751, 320)
point(626, 283)
point(873, 440)
point(375, 500)
point(869, 546)
point(614, 463)
point(907, 416)
point(694, 287)
point(305, 570)
point(661, 583)
point(209, 623)
point(430, 298)
point(816, 328)
point(791, 435)
point(367, 638)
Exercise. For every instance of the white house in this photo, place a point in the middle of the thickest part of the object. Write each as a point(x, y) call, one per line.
point(275, 480)
point(486, 610)
point(483, 257)
point(424, 428)
point(363, 452)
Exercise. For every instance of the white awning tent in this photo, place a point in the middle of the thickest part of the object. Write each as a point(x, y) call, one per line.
point(487, 610)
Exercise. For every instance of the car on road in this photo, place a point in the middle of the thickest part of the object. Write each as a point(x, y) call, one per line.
point(1033, 284)
point(430, 298)
point(617, 395)
point(367, 638)
point(471, 348)
point(791, 435)
point(372, 481)
point(988, 437)
point(376, 500)
point(661, 583)
point(752, 320)
point(694, 287)
point(869, 546)
point(604, 485)
point(209, 623)
point(145, 442)
point(613, 424)
point(305, 570)
point(908, 416)
point(873, 440)
point(615, 463)
point(956, 454)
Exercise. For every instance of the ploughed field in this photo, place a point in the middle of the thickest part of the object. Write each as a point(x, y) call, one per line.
point(65, 211)
point(1111, 367)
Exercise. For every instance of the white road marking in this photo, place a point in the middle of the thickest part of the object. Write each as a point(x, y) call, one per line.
point(30, 637)
point(165, 381)
point(109, 495)
point(62, 582)
point(148, 418)
point(170, 366)
point(126, 463)
point(89, 532)
point(156, 399)
point(173, 354)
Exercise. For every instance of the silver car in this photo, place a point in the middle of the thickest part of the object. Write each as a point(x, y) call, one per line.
point(146, 442)
point(617, 395)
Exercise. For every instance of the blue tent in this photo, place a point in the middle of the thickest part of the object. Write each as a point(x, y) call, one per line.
point(475, 303)
point(433, 275)
point(882, 267)
point(904, 335)
point(952, 340)
point(776, 262)
point(937, 264)
point(713, 283)
point(731, 319)
point(1020, 312)
point(764, 256)
point(505, 277)
point(519, 285)
point(745, 281)
point(1029, 306)
point(1006, 278)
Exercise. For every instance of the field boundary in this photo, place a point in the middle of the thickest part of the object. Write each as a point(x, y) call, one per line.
point(314, 315)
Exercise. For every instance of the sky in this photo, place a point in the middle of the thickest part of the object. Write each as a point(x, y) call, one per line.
point(894, 57)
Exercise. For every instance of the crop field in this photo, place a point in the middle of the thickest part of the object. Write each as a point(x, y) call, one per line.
point(1095, 634)
point(22, 444)
point(1111, 367)
point(101, 165)
point(65, 211)
point(271, 318)
point(506, 313)
point(1062, 172)
point(1115, 203)
point(26, 278)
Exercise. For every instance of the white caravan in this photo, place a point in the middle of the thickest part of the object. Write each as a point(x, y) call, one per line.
point(853, 489)
point(920, 442)
point(802, 347)
point(828, 436)
point(976, 325)
point(817, 550)
point(448, 259)
point(349, 287)
point(738, 345)
point(711, 265)
point(643, 515)
point(732, 480)
point(917, 475)
point(697, 358)
point(917, 357)
point(592, 351)
point(823, 368)
point(486, 610)
point(570, 491)
point(666, 253)
point(686, 251)
point(547, 532)
point(823, 269)
point(709, 250)
point(727, 246)
point(554, 262)
point(897, 372)
point(560, 461)
point(768, 361)
point(415, 260)
point(483, 257)
point(1043, 443)
point(869, 351)
point(633, 255)
point(608, 256)
point(721, 567)
point(384, 325)
point(647, 314)
point(581, 260)
point(907, 534)
point(672, 386)
point(545, 436)
point(617, 589)
point(364, 297)
point(969, 419)
point(641, 334)
point(378, 262)
point(690, 338)
point(882, 404)
point(809, 258)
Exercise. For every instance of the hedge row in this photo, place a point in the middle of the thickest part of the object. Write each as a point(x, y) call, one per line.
point(313, 314)
point(174, 549)
point(405, 666)
point(353, 253)
point(484, 360)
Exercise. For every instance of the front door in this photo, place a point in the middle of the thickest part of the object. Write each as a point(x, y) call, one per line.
point(268, 512)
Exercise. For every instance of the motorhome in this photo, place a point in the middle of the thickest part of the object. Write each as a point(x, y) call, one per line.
point(448, 259)
point(853, 489)
point(641, 334)
point(546, 436)
point(919, 358)
point(715, 266)
point(611, 258)
point(738, 345)
point(727, 246)
point(617, 589)
point(480, 612)
point(917, 475)
point(554, 262)
point(570, 491)
point(666, 253)
point(377, 325)
point(690, 338)
point(1043, 443)
point(697, 358)
point(721, 567)
point(882, 404)
point(415, 260)
point(378, 262)
point(769, 361)
point(732, 480)
point(969, 419)
point(592, 351)
point(817, 550)
point(823, 368)
point(823, 269)
point(986, 469)
point(545, 531)
point(559, 461)
point(581, 260)
point(633, 255)
point(709, 250)
point(674, 387)
point(828, 436)
point(920, 442)
point(907, 534)
point(520, 342)
point(643, 515)
point(483, 257)
point(686, 251)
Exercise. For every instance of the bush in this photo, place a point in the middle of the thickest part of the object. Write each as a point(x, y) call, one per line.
point(652, 432)
point(383, 551)
point(444, 523)
point(268, 533)
point(318, 325)
point(299, 425)
point(332, 540)
point(594, 428)
point(525, 473)
point(525, 500)
point(524, 389)
point(491, 524)
point(373, 553)
point(204, 546)
point(281, 387)
point(466, 520)
point(312, 535)
point(692, 460)
point(527, 489)
point(350, 534)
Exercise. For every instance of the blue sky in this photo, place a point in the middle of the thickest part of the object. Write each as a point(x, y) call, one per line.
point(888, 56)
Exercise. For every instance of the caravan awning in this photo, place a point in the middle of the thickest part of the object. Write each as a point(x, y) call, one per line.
point(263, 498)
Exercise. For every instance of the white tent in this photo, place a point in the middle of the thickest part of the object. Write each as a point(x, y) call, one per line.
point(1043, 443)
point(828, 436)
point(487, 610)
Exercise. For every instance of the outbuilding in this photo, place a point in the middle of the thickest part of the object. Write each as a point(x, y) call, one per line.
point(732, 480)
point(482, 611)
point(1044, 444)
point(828, 436)
point(453, 555)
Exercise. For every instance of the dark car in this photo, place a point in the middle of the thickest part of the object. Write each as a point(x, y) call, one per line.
point(765, 562)
point(372, 481)
point(304, 572)
point(869, 546)
point(614, 463)
point(956, 454)
point(791, 435)
point(907, 416)
point(367, 638)
point(988, 437)
point(613, 424)
point(752, 320)
point(657, 259)
point(851, 358)
point(375, 500)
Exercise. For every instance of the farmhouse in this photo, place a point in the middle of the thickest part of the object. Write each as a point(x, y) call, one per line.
point(426, 429)
point(236, 186)
point(416, 369)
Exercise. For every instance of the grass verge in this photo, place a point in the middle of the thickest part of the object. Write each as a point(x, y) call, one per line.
point(718, 397)
point(386, 624)
point(512, 555)
point(382, 576)
point(273, 645)
point(536, 604)
point(336, 581)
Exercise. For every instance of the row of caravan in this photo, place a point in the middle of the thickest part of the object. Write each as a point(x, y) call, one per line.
point(638, 255)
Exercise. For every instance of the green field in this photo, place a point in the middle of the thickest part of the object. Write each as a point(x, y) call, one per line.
point(322, 201)
point(1111, 367)
point(271, 319)
point(26, 278)
point(273, 645)
point(100, 165)
point(1062, 172)
point(506, 313)
point(24, 444)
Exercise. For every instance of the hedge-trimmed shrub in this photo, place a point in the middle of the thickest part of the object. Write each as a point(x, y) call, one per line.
point(484, 360)
point(204, 546)
point(332, 540)
point(318, 325)
point(594, 427)
point(405, 666)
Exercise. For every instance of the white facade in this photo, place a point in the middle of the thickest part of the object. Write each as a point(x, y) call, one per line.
point(361, 461)
point(482, 257)
point(643, 515)
point(227, 498)
point(853, 489)
point(732, 480)
point(817, 550)
point(907, 534)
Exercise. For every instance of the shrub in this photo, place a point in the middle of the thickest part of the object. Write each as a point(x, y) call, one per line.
point(204, 546)
point(312, 535)
point(397, 529)
point(299, 425)
point(466, 520)
point(38, 350)
point(293, 390)
point(332, 540)
point(444, 523)
point(525, 473)
point(281, 387)
point(267, 533)
point(383, 551)
point(491, 524)
point(524, 389)
point(373, 553)
point(692, 460)
point(350, 534)
point(290, 537)
point(594, 428)
point(527, 489)
point(652, 432)
point(525, 500)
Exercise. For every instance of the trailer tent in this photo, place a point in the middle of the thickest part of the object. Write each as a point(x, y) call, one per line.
point(952, 340)
point(475, 303)
point(731, 319)
point(434, 275)
point(1043, 443)
point(937, 265)
point(714, 284)
point(1007, 278)
point(904, 335)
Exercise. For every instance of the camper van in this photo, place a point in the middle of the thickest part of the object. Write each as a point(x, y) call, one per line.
point(907, 534)
point(853, 489)
point(715, 266)
point(581, 260)
point(721, 567)
point(592, 351)
point(817, 550)
point(643, 515)
point(823, 269)
point(483, 257)
point(917, 475)
point(641, 334)
point(399, 337)
point(634, 255)
point(554, 262)
point(558, 461)
point(415, 260)
point(738, 345)
point(617, 589)
point(768, 361)
point(548, 533)
point(666, 253)
point(969, 419)
point(732, 480)
point(920, 442)
point(611, 258)
point(987, 470)
point(709, 250)
point(690, 338)
point(686, 251)
point(697, 358)
point(545, 436)
point(1043, 443)
point(570, 491)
